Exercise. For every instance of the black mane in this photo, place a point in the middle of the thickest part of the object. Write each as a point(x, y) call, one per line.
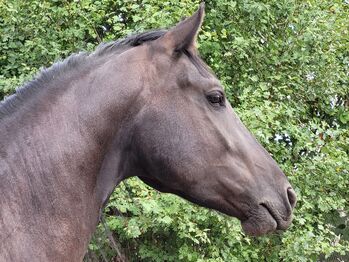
point(10, 103)
point(130, 41)
point(74, 61)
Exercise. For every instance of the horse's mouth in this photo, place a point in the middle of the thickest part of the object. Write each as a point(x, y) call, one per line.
point(281, 221)
point(272, 213)
point(265, 220)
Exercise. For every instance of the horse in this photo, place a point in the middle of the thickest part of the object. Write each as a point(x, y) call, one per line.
point(145, 106)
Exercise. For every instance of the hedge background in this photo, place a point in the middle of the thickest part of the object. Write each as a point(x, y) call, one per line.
point(285, 67)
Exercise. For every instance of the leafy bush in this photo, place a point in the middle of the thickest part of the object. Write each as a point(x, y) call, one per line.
point(285, 68)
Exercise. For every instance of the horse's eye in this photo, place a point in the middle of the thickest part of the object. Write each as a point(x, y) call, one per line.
point(216, 98)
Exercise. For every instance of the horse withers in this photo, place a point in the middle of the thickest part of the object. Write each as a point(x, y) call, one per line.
point(145, 106)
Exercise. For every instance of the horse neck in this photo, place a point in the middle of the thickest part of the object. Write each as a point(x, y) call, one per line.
point(64, 163)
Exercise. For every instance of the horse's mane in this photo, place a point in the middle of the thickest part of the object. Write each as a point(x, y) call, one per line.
point(46, 75)
point(130, 41)
point(27, 90)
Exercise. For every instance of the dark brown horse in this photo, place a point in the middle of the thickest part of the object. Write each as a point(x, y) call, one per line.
point(144, 106)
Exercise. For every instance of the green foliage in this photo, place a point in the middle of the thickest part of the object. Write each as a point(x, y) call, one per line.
point(285, 68)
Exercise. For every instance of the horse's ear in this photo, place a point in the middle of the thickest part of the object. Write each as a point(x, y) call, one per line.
point(184, 34)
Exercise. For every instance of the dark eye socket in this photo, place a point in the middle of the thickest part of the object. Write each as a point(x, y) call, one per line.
point(216, 98)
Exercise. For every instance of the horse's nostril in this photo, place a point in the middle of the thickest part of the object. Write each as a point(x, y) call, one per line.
point(292, 198)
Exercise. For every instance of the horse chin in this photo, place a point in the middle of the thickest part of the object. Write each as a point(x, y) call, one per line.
point(256, 227)
point(259, 224)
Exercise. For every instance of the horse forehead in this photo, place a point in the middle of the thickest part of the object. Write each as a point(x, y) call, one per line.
point(207, 80)
point(181, 70)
